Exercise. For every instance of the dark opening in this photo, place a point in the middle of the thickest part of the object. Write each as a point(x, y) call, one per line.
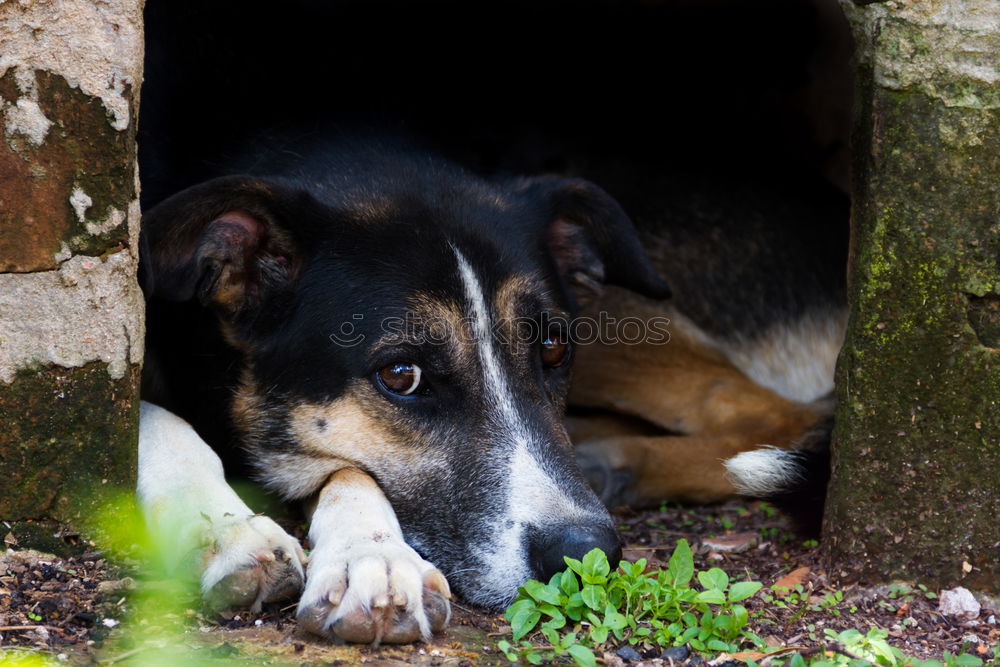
point(526, 86)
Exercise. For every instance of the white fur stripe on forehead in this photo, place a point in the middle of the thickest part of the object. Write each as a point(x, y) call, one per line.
point(533, 494)
point(496, 384)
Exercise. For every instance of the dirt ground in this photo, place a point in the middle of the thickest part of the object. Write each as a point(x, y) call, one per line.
point(86, 609)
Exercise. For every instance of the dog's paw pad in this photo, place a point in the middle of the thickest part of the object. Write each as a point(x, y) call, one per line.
point(251, 561)
point(376, 598)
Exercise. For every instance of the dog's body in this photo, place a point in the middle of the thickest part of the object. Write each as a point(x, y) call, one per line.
point(757, 264)
point(291, 292)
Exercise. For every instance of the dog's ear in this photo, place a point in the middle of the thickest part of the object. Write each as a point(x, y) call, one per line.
point(224, 243)
point(592, 241)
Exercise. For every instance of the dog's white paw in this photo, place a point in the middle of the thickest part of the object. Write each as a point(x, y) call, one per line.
point(249, 560)
point(372, 591)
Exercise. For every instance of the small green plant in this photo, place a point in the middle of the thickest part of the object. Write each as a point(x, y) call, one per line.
point(768, 510)
point(581, 608)
point(908, 594)
point(852, 648)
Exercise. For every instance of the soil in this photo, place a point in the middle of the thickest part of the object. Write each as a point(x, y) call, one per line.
point(79, 609)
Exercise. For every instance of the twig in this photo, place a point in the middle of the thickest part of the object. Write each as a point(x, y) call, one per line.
point(455, 604)
point(5, 628)
point(804, 651)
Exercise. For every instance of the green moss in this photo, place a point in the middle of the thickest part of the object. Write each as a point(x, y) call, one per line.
point(69, 441)
point(917, 457)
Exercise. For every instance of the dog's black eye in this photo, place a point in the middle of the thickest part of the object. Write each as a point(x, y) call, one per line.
point(402, 379)
point(554, 351)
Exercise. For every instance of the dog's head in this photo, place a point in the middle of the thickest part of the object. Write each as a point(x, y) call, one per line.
point(414, 322)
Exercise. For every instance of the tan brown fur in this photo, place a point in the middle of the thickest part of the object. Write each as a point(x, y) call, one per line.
point(351, 430)
point(686, 387)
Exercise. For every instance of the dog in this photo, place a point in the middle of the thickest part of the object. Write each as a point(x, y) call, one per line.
point(282, 296)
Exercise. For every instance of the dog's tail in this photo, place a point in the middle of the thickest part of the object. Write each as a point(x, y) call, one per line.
point(793, 479)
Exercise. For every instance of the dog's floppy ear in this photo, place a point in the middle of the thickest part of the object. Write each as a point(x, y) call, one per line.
point(224, 243)
point(592, 240)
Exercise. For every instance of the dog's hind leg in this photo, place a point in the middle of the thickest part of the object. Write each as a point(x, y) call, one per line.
point(365, 583)
point(641, 471)
point(244, 559)
point(706, 411)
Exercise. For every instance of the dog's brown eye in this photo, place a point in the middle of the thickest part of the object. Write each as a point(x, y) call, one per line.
point(402, 379)
point(554, 351)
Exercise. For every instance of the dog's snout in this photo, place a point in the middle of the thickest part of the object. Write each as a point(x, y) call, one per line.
point(546, 549)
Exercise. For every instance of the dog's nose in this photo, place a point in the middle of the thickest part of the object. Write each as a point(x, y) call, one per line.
point(546, 550)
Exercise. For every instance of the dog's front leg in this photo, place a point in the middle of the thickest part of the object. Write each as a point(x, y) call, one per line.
point(244, 559)
point(365, 583)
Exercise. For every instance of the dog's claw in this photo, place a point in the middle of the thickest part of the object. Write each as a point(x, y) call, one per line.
point(388, 595)
point(251, 561)
point(384, 623)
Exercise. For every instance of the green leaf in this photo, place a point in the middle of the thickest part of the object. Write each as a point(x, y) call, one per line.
point(508, 650)
point(515, 608)
point(757, 641)
point(615, 621)
point(574, 564)
point(723, 623)
point(713, 578)
point(883, 650)
point(583, 655)
point(717, 645)
point(681, 565)
point(599, 633)
point(556, 618)
point(524, 621)
point(542, 592)
point(569, 584)
point(713, 596)
point(740, 615)
point(595, 567)
point(593, 596)
point(850, 636)
point(637, 568)
point(688, 635)
point(968, 660)
point(742, 590)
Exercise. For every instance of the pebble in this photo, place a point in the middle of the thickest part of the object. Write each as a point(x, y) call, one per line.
point(730, 543)
point(676, 653)
point(960, 603)
point(628, 653)
point(115, 586)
